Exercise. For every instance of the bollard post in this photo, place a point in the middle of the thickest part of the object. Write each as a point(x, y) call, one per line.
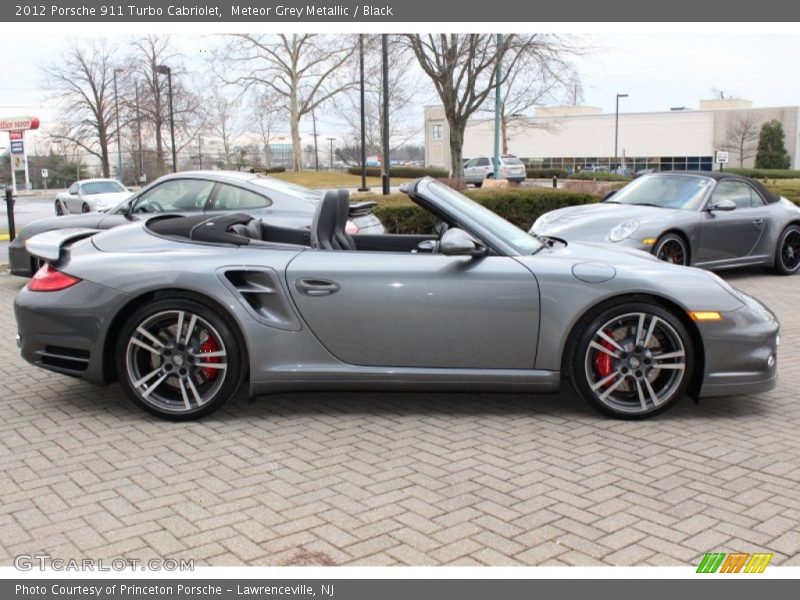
point(12, 233)
point(555, 182)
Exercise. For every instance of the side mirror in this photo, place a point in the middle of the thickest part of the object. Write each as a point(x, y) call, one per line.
point(723, 205)
point(457, 242)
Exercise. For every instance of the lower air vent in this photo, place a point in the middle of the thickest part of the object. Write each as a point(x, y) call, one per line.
point(67, 359)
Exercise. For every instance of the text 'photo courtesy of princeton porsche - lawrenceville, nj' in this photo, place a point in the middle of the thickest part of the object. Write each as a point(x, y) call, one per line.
point(405, 300)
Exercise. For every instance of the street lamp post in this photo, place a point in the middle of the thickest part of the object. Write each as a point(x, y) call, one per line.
point(165, 70)
point(616, 128)
point(498, 99)
point(120, 171)
point(386, 157)
point(331, 140)
point(363, 187)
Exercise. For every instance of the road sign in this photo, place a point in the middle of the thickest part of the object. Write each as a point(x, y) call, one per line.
point(44, 173)
point(17, 147)
point(18, 162)
point(15, 135)
point(721, 157)
point(18, 123)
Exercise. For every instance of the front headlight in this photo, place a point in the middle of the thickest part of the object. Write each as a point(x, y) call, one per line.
point(623, 231)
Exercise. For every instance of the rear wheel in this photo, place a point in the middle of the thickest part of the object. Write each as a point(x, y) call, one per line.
point(85, 208)
point(178, 359)
point(672, 248)
point(632, 361)
point(787, 253)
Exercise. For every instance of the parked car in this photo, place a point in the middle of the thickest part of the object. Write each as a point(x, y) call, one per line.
point(477, 169)
point(89, 195)
point(709, 220)
point(190, 192)
point(184, 310)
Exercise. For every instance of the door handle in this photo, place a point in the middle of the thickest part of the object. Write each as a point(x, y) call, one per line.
point(759, 222)
point(316, 287)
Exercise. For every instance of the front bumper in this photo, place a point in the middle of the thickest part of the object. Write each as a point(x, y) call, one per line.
point(65, 331)
point(19, 261)
point(741, 351)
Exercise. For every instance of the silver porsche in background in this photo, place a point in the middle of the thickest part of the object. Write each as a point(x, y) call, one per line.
point(183, 310)
point(710, 220)
point(90, 195)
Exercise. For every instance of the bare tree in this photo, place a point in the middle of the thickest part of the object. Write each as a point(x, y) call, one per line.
point(463, 69)
point(536, 78)
point(81, 83)
point(404, 90)
point(222, 121)
point(741, 136)
point(148, 53)
point(305, 71)
point(266, 113)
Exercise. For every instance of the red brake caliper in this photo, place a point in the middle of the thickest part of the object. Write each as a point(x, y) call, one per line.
point(210, 345)
point(603, 363)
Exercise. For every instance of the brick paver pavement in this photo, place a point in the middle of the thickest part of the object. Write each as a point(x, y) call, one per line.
point(378, 478)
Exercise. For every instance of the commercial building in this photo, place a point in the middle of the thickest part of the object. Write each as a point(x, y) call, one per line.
point(576, 137)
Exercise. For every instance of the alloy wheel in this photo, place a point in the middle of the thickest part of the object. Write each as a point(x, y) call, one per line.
point(635, 363)
point(790, 250)
point(672, 251)
point(176, 361)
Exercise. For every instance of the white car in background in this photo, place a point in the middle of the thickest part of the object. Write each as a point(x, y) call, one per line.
point(482, 167)
point(89, 195)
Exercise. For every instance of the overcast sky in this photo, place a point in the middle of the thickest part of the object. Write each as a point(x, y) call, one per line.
point(658, 71)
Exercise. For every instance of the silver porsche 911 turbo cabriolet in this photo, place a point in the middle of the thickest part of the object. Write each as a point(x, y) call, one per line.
point(183, 310)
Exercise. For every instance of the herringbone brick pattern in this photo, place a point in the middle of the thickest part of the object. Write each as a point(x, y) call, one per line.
point(399, 478)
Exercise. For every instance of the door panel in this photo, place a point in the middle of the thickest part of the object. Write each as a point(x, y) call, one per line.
point(420, 310)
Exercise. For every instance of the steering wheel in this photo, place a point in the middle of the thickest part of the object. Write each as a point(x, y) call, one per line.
point(154, 206)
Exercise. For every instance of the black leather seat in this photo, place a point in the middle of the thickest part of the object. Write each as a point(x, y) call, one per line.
point(330, 220)
point(251, 230)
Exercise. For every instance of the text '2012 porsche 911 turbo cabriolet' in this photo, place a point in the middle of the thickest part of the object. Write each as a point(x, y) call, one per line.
point(183, 310)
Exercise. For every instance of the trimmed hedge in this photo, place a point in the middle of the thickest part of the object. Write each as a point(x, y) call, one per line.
point(520, 206)
point(407, 172)
point(599, 176)
point(789, 190)
point(546, 173)
point(765, 173)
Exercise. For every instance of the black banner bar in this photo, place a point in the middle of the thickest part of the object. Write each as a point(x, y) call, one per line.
point(387, 11)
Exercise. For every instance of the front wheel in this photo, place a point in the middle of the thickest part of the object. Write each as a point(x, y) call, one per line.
point(59, 209)
point(671, 248)
point(178, 359)
point(632, 361)
point(787, 253)
point(85, 208)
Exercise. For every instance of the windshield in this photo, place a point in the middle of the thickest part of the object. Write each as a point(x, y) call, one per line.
point(102, 187)
point(508, 232)
point(665, 191)
point(299, 192)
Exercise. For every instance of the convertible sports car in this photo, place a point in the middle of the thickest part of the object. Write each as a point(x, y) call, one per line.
point(193, 192)
point(709, 220)
point(89, 195)
point(184, 310)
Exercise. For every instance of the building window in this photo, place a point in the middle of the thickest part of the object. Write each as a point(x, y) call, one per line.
point(436, 131)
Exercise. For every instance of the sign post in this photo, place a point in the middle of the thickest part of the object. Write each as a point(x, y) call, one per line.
point(16, 127)
point(44, 178)
point(721, 158)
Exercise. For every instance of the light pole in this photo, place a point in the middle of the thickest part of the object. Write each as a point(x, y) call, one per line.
point(363, 187)
point(165, 70)
point(120, 171)
point(616, 128)
point(498, 100)
point(331, 140)
point(386, 157)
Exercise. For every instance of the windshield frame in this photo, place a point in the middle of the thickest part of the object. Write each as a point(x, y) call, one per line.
point(695, 205)
point(465, 213)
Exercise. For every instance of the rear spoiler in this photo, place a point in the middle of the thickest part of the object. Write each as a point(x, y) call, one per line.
point(359, 209)
point(48, 245)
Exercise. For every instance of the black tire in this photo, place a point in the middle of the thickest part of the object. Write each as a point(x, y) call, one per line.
point(59, 209)
point(478, 184)
point(187, 388)
point(85, 208)
point(672, 248)
point(634, 384)
point(787, 253)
